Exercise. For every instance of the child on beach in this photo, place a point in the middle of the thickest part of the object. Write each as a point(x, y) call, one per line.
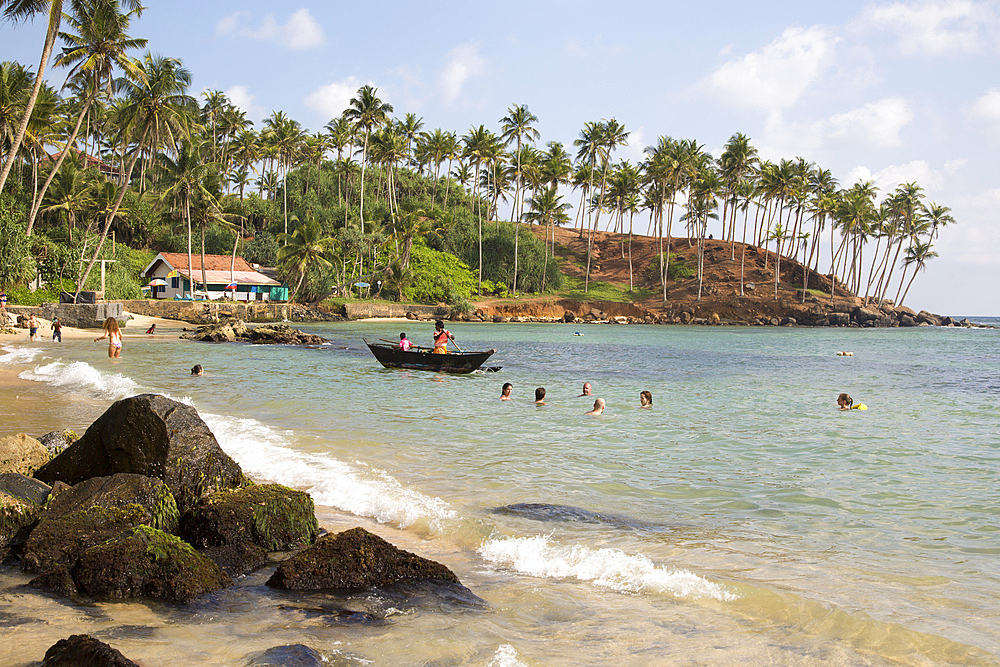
point(32, 328)
point(56, 330)
point(114, 336)
point(151, 329)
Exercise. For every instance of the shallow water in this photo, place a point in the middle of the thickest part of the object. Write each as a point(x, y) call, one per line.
point(743, 518)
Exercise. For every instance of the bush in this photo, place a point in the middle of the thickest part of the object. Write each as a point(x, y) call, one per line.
point(678, 269)
point(438, 276)
point(262, 250)
point(17, 265)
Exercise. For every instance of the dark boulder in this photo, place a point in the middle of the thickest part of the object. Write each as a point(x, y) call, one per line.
point(237, 559)
point(24, 488)
point(569, 316)
point(84, 651)
point(146, 562)
point(907, 321)
point(272, 516)
point(17, 519)
point(292, 655)
point(149, 435)
point(355, 560)
point(213, 333)
point(93, 511)
point(924, 317)
point(840, 319)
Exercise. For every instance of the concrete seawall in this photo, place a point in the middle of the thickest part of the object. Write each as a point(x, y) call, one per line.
point(205, 312)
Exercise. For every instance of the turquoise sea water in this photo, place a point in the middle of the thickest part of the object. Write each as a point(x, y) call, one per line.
point(743, 518)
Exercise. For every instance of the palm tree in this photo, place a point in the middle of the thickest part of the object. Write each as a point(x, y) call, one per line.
point(15, 87)
point(478, 147)
point(92, 55)
point(285, 135)
point(735, 164)
point(72, 193)
point(918, 254)
point(156, 104)
point(547, 207)
point(517, 127)
point(778, 234)
point(304, 249)
point(367, 111)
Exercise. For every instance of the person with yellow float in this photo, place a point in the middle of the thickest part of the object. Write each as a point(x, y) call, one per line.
point(847, 403)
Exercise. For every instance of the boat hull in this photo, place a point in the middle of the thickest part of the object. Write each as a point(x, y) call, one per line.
point(391, 356)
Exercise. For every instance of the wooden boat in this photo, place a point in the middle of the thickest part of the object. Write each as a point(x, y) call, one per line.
point(423, 359)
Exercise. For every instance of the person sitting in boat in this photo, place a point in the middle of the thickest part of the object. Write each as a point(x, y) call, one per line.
point(586, 390)
point(404, 343)
point(540, 396)
point(645, 399)
point(441, 338)
point(598, 408)
point(505, 391)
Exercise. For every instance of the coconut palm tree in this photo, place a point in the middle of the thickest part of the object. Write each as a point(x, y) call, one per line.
point(285, 135)
point(305, 248)
point(367, 112)
point(99, 45)
point(72, 192)
point(16, 83)
point(479, 146)
point(517, 127)
point(917, 255)
point(736, 162)
point(547, 207)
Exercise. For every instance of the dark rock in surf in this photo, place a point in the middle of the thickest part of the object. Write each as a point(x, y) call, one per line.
point(291, 655)
point(93, 511)
point(355, 560)
point(147, 563)
point(149, 435)
point(20, 505)
point(84, 650)
point(237, 559)
point(57, 441)
point(271, 334)
point(272, 516)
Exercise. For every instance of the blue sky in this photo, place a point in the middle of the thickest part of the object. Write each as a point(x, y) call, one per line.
point(885, 91)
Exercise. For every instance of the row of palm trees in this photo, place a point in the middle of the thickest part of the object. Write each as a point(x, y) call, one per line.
point(137, 114)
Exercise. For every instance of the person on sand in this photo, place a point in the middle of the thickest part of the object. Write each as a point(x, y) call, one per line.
point(56, 330)
point(114, 336)
point(404, 343)
point(197, 370)
point(587, 389)
point(33, 328)
point(540, 396)
point(505, 391)
point(441, 338)
point(151, 329)
point(645, 399)
point(598, 408)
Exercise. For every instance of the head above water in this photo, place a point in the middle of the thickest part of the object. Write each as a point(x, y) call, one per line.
point(645, 398)
point(540, 393)
point(197, 370)
point(506, 389)
point(587, 389)
point(845, 400)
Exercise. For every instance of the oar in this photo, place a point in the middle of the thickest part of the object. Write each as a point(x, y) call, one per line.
point(456, 346)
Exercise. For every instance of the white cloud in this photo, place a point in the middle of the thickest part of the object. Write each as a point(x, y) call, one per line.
point(987, 107)
point(936, 27)
point(975, 238)
point(301, 31)
point(774, 77)
point(889, 178)
point(876, 123)
point(464, 62)
point(243, 99)
point(329, 101)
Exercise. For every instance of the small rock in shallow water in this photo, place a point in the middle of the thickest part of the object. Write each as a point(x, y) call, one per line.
point(81, 650)
point(292, 655)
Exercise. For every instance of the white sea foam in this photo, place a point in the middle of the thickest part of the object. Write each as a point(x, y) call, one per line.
point(357, 488)
point(81, 375)
point(18, 355)
point(611, 568)
point(506, 656)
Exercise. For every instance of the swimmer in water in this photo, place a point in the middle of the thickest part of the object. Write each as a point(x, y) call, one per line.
point(587, 389)
point(540, 396)
point(598, 408)
point(847, 403)
point(645, 399)
point(505, 391)
point(197, 370)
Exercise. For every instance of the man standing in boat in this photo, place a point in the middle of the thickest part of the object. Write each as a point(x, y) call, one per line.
point(441, 338)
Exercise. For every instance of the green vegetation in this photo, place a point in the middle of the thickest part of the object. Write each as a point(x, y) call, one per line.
point(602, 291)
point(155, 169)
point(677, 268)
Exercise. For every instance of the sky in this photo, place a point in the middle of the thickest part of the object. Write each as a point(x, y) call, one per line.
point(888, 92)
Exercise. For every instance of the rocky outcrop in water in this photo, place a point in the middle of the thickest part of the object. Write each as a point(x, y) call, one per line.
point(271, 516)
point(84, 650)
point(355, 560)
point(21, 500)
point(154, 436)
point(233, 331)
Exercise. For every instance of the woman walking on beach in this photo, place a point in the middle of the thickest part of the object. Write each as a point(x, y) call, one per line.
point(114, 336)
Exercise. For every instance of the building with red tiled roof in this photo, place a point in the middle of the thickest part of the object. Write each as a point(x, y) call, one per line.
point(170, 278)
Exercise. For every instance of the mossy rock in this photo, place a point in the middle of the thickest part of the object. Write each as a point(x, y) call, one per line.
point(237, 559)
point(147, 563)
point(355, 560)
point(271, 516)
point(17, 518)
point(95, 510)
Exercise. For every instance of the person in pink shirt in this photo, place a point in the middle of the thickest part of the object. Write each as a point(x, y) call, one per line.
point(404, 343)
